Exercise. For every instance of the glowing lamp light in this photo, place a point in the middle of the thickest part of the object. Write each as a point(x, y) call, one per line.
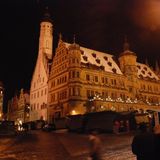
point(73, 112)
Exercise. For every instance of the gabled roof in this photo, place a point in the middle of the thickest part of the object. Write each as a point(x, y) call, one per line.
point(99, 59)
point(145, 72)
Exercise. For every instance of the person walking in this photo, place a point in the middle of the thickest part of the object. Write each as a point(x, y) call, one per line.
point(95, 146)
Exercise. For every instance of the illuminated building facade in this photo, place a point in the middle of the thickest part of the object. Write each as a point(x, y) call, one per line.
point(84, 80)
point(1, 99)
point(19, 107)
point(79, 80)
point(39, 82)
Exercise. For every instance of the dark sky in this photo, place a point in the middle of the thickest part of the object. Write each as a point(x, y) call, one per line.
point(97, 24)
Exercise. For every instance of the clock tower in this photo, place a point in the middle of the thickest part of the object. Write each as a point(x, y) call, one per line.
point(128, 61)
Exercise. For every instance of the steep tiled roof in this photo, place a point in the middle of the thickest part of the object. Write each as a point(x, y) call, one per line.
point(145, 72)
point(99, 59)
point(106, 60)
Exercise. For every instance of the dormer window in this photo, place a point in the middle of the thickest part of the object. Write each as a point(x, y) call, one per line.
point(106, 58)
point(114, 70)
point(94, 55)
point(98, 61)
point(150, 73)
point(102, 67)
point(145, 68)
point(85, 58)
point(109, 63)
point(139, 67)
point(143, 72)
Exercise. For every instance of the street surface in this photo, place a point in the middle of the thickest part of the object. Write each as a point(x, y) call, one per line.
point(61, 145)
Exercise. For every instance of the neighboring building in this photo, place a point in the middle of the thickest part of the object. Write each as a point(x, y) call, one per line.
point(39, 83)
point(1, 99)
point(19, 107)
point(84, 80)
point(12, 109)
point(23, 106)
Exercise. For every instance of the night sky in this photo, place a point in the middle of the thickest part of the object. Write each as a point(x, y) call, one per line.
point(97, 24)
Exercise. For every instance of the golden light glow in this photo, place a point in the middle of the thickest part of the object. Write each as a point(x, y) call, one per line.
point(147, 13)
point(73, 112)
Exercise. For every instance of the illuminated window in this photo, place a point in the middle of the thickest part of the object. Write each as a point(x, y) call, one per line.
point(73, 74)
point(73, 60)
point(73, 91)
point(102, 79)
point(88, 77)
point(106, 80)
point(77, 74)
point(64, 79)
point(96, 78)
point(70, 92)
point(78, 92)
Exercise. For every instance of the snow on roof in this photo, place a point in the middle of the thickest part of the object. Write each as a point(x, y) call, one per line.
point(145, 72)
point(99, 59)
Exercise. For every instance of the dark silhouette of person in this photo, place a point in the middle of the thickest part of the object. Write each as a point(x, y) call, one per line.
point(157, 142)
point(95, 146)
point(143, 144)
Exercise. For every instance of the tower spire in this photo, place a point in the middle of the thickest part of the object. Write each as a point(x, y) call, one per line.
point(46, 15)
point(146, 62)
point(157, 67)
point(126, 44)
point(74, 38)
point(60, 36)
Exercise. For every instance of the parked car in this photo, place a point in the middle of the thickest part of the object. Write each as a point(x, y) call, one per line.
point(48, 127)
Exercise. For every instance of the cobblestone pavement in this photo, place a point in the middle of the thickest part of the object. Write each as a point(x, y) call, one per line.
point(39, 145)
